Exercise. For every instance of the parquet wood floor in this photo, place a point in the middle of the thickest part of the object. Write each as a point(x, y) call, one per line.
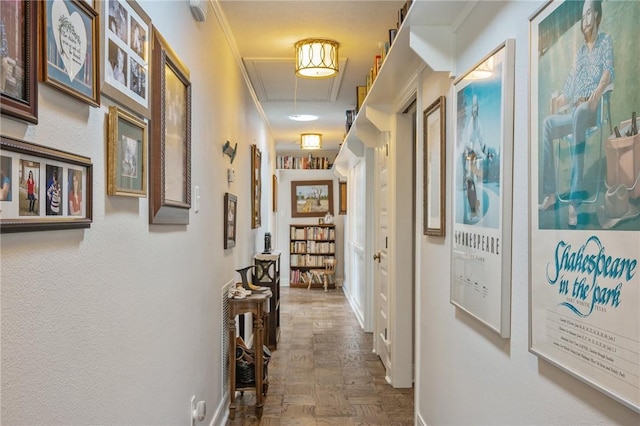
point(324, 371)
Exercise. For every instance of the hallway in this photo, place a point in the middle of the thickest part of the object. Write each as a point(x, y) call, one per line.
point(323, 372)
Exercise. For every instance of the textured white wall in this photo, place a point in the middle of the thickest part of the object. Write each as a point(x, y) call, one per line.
point(121, 323)
point(466, 373)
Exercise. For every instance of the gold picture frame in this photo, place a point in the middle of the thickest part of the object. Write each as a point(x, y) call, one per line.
point(342, 205)
point(311, 198)
point(256, 185)
point(126, 154)
point(170, 147)
point(434, 168)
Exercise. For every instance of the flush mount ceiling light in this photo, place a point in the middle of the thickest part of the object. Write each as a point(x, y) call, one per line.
point(303, 117)
point(310, 140)
point(316, 58)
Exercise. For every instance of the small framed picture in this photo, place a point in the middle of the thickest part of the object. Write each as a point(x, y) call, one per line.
point(170, 148)
point(43, 188)
point(126, 154)
point(18, 81)
point(69, 49)
point(256, 185)
point(311, 198)
point(230, 213)
point(434, 168)
point(342, 207)
point(125, 53)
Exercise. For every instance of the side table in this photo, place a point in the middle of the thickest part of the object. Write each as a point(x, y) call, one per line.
point(255, 304)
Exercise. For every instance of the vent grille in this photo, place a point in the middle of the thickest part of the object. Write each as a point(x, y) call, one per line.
point(225, 339)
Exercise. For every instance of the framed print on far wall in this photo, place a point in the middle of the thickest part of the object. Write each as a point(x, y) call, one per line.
point(311, 198)
point(274, 192)
point(126, 154)
point(18, 81)
point(125, 53)
point(434, 168)
point(170, 147)
point(48, 189)
point(70, 43)
point(584, 194)
point(342, 206)
point(230, 213)
point(256, 186)
point(482, 190)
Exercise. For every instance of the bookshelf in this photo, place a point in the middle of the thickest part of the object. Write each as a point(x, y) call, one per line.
point(310, 245)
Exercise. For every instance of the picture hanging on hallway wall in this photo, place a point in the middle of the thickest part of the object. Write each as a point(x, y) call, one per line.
point(126, 154)
point(311, 198)
point(482, 190)
point(70, 43)
point(18, 81)
point(170, 147)
point(230, 213)
point(256, 186)
point(584, 216)
point(124, 55)
point(434, 168)
point(43, 189)
point(342, 206)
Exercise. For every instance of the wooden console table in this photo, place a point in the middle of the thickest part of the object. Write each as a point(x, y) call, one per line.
point(255, 304)
point(267, 274)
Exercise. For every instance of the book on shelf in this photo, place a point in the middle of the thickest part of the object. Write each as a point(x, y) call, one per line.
point(306, 163)
point(361, 95)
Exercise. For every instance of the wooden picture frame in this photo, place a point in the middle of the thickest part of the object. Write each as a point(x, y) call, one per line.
point(311, 198)
point(274, 192)
point(19, 81)
point(230, 215)
point(170, 147)
point(70, 43)
point(125, 54)
point(342, 205)
point(256, 186)
point(434, 168)
point(482, 190)
point(584, 220)
point(126, 154)
point(48, 189)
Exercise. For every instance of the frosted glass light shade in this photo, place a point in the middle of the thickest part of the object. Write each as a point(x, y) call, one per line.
point(316, 58)
point(310, 141)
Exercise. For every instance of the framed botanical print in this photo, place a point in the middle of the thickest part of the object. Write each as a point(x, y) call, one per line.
point(126, 154)
point(43, 188)
point(311, 198)
point(170, 148)
point(125, 54)
point(482, 189)
point(256, 186)
point(230, 213)
point(434, 168)
point(18, 80)
point(70, 43)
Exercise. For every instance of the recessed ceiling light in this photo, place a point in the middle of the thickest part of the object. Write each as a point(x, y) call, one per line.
point(303, 117)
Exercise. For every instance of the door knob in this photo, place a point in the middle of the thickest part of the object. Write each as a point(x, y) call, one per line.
point(377, 257)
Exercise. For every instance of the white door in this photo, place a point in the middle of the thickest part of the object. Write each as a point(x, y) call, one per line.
point(381, 259)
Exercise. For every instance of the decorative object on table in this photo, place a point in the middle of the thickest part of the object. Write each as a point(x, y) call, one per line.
point(126, 154)
point(312, 198)
point(482, 208)
point(434, 168)
point(245, 280)
point(256, 186)
point(70, 43)
point(48, 189)
point(267, 243)
point(18, 80)
point(584, 226)
point(229, 151)
point(328, 218)
point(230, 215)
point(125, 54)
point(170, 147)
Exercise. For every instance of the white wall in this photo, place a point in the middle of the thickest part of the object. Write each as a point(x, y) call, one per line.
point(466, 373)
point(284, 219)
point(121, 323)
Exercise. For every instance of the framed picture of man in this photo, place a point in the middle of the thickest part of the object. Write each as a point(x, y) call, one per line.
point(584, 214)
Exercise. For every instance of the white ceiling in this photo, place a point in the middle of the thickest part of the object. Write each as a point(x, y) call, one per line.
point(265, 33)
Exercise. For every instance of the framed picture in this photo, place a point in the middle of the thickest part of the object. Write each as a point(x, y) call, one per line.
point(126, 154)
point(342, 206)
point(70, 43)
point(584, 217)
point(18, 80)
point(256, 186)
point(125, 53)
point(434, 168)
point(43, 188)
point(230, 213)
point(482, 190)
point(311, 198)
point(274, 192)
point(170, 149)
